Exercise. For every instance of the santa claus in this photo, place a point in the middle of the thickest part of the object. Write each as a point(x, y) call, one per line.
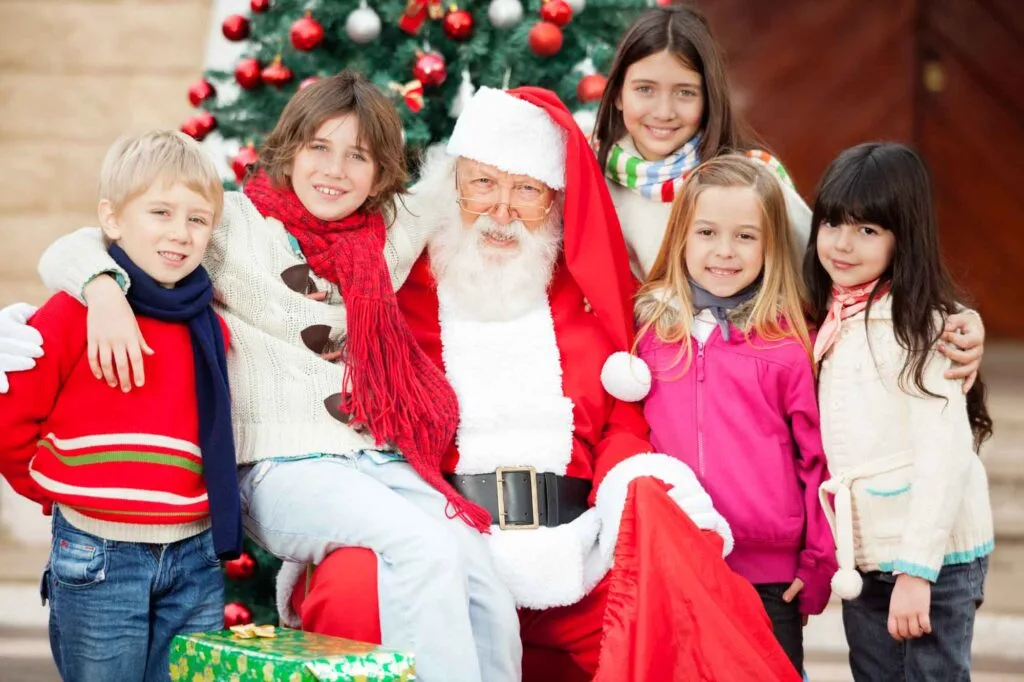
point(522, 298)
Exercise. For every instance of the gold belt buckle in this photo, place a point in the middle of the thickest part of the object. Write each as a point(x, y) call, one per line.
point(500, 483)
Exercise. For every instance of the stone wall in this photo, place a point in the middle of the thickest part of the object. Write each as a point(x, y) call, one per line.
point(74, 75)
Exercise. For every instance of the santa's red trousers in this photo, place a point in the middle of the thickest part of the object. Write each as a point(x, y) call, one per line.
point(559, 644)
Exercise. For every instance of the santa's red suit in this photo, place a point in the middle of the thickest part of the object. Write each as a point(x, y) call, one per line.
point(532, 399)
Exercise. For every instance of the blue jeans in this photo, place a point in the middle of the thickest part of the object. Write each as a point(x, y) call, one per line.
point(945, 654)
point(439, 595)
point(116, 606)
point(787, 623)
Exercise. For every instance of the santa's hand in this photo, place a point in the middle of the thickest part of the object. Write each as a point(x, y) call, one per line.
point(20, 344)
point(696, 503)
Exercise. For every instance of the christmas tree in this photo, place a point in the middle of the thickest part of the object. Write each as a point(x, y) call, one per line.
point(427, 54)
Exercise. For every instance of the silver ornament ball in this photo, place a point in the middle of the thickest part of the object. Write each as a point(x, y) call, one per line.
point(505, 13)
point(576, 6)
point(586, 119)
point(363, 25)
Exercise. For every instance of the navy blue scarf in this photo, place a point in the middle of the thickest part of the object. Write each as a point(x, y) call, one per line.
point(721, 305)
point(189, 302)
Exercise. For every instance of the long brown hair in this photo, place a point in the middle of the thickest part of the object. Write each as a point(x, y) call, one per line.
point(686, 35)
point(380, 131)
point(665, 302)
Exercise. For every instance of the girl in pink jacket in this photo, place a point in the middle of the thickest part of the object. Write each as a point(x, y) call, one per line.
point(722, 329)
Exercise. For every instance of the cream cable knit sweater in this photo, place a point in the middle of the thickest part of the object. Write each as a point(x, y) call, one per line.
point(278, 386)
point(919, 493)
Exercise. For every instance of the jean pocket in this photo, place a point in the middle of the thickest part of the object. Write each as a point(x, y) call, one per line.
point(77, 559)
point(205, 549)
point(251, 478)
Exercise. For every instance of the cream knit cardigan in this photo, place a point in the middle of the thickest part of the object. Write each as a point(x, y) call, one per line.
point(278, 386)
point(919, 492)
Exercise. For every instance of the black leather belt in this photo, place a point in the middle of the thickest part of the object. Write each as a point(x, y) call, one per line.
point(520, 498)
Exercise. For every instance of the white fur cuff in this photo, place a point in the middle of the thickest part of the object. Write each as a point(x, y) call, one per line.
point(686, 491)
point(288, 577)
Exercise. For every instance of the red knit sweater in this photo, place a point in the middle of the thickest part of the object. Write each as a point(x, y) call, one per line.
point(127, 458)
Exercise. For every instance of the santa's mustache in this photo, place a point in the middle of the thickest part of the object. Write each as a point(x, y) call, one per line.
point(487, 227)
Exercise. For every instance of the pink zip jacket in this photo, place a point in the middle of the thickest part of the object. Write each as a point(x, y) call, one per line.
point(744, 416)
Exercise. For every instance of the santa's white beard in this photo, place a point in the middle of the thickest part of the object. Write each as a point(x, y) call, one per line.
point(494, 283)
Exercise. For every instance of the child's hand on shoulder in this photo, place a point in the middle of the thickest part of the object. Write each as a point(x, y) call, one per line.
point(909, 608)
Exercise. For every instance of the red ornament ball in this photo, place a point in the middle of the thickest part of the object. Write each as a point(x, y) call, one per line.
point(236, 613)
point(430, 69)
point(458, 24)
point(200, 91)
point(306, 33)
point(308, 81)
point(248, 73)
point(199, 126)
point(545, 39)
point(259, 6)
point(591, 87)
point(244, 567)
point(277, 74)
point(235, 27)
point(558, 12)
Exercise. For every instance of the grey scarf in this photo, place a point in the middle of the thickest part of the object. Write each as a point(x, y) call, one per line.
point(721, 305)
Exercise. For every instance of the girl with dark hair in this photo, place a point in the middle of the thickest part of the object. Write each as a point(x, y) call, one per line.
point(665, 109)
point(912, 518)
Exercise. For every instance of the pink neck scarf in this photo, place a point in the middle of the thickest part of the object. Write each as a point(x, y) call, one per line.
point(846, 302)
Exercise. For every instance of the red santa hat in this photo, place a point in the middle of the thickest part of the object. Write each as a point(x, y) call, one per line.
point(528, 131)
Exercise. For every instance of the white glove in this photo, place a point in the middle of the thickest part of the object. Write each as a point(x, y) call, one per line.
point(695, 501)
point(20, 344)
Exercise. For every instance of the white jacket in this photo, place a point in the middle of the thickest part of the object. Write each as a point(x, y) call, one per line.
point(903, 461)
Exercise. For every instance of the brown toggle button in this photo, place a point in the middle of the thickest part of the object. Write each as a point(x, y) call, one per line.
point(333, 403)
point(317, 337)
point(298, 280)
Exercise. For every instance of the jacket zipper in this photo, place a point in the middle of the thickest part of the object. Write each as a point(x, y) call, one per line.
point(700, 409)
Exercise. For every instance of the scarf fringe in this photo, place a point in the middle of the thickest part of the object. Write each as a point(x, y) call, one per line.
point(419, 385)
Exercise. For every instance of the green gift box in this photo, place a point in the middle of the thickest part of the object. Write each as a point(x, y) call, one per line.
point(291, 656)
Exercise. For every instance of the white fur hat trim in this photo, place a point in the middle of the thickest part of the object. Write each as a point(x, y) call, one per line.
point(626, 377)
point(501, 130)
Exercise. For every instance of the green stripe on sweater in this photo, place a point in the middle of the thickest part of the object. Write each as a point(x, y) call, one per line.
point(124, 456)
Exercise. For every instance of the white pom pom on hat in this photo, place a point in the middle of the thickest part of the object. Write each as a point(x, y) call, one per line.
point(847, 583)
point(626, 377)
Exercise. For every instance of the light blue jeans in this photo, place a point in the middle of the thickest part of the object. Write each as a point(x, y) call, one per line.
point(116, 606)
point(440, 597)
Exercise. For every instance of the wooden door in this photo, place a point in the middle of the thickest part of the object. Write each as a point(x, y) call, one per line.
point(816, 77)
point(969, 125)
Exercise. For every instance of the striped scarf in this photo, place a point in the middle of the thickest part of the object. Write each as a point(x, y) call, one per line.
point(656, 180)
point(661, 180)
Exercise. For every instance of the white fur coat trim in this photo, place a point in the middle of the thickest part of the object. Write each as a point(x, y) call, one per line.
point(287, 578)
point(508, 379)
point(548, 567)
point(686, 491)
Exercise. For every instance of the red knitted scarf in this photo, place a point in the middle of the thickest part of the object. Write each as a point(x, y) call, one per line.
point(395, 390)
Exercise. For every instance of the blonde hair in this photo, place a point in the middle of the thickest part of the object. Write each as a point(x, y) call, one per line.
point(665, 302)
point(135, 162)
